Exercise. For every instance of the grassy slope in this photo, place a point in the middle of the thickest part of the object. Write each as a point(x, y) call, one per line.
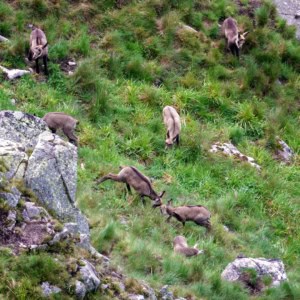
point(219, 98)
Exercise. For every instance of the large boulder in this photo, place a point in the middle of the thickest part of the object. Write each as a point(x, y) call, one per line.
point(52, 174)
point(21, 127)
point(273, 268)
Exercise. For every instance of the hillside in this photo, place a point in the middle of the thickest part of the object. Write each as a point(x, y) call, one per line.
point(133, 58)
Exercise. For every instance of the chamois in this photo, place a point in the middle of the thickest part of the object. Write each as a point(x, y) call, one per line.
point(181, 247)
point(134, 178)
point(235, 39)
point(172, 122)
point(38, 48)
point(196, 213)
point(59, 120)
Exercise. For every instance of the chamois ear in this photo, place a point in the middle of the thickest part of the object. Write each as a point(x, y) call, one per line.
point(245, 33)
point(169, 202)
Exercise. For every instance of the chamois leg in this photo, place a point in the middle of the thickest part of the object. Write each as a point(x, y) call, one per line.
point(168, 219)
point(143, 200)
point(177, 140)
point(45, 60)
point(110, 176)
point(53, 130)
point(128, 188)
point(37, 66)
point(71, 136)
point(168, 134)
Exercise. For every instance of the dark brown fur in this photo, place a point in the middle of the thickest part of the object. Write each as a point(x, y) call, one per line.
point(134, 178)
point(58, 120)
point(196, 213)
point(234, 38)
point(181, 247)
point(38, 48)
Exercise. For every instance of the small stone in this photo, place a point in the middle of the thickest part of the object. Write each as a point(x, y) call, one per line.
point(89, 276)
point(48, 289)
point(165, 294)
point(12, 215)
point(72, 63)
point(226, 228)
point(136, 297)
point(80, 290)
point(13, 101)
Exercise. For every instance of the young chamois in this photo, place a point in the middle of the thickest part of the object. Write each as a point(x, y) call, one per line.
point(59, 120)
point(172, 122)
point(196, 213)
point(38, 48)
point(181, 247)
point(235, 40)
point(134, 178)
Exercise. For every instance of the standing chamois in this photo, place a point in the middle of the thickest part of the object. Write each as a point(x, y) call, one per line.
point(59, 120)
point(196, 213)
point(38, 48)
point(134, 178)
point(235, 40)
point(172, 122)
point(181, 247)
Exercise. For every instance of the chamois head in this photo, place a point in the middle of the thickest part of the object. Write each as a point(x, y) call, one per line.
point(157, 201)
point(163, 207)
point(241, 39)
point(37, 51)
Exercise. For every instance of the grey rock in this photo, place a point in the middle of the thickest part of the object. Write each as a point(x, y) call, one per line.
point(148, 291)
point(21, 127)
point(80, 290)
point(12, 199)
point(48, 289)
point(284, 152)
point(72, 227)
point(286, 9)
point(89, 276)
point(85, 244)
point(165, 294)
point(42, 247)
point(13, 157)
point(136, 297)
point(11, 218)
point(33, 212)
point(52, 174)
point(262, 266)
point(60, 236)
point(104, 287)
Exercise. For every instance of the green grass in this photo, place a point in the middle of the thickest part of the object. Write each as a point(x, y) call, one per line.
point(248, 101)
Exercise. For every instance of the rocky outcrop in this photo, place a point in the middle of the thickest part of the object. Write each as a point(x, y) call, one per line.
point(230, 150)
point(52, 175)
point(47, 164)
point(239, 269)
